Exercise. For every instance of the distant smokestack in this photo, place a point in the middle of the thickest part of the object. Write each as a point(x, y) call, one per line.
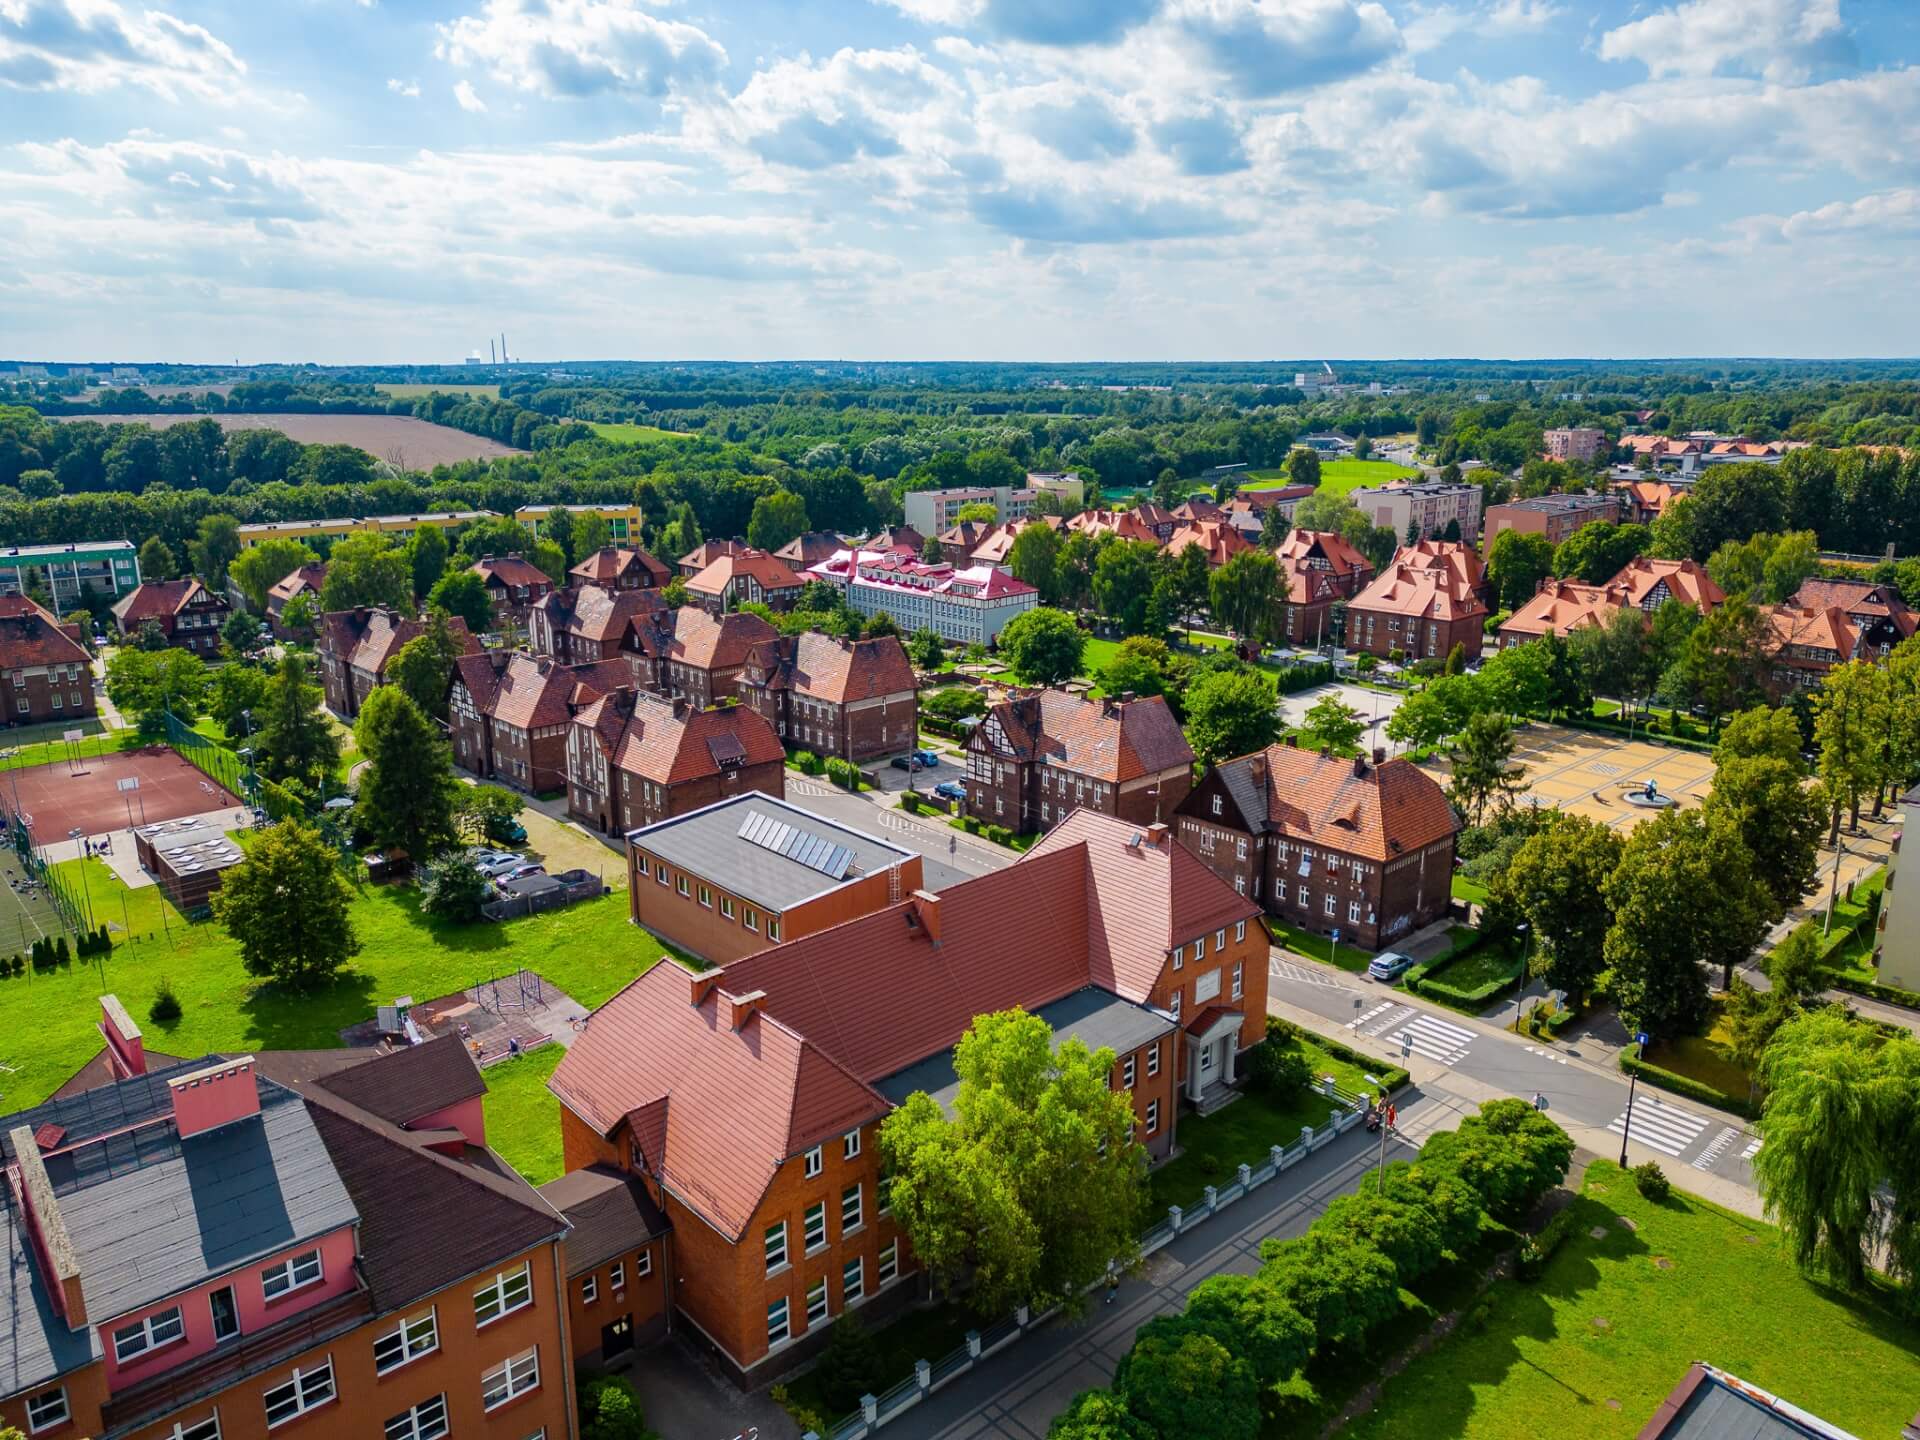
point(503, 348)
point(492, 359)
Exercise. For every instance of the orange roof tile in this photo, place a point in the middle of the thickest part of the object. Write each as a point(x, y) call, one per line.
point(1106, 739)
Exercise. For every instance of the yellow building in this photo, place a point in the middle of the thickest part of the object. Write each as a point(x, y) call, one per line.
point(398, 526)
point(623, 521)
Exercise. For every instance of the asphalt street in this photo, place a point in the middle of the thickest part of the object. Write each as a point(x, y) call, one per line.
point(948, 856)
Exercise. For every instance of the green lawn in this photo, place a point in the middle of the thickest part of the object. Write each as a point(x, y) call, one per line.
point(1487, 964)
point(1318, 947)
point(588, 950)
point(1472, 891)
point(1594, 1346)
point(523, 1117)
point(930, 1333)
point(628, 434)
point(1337, 477)
point(41, 744)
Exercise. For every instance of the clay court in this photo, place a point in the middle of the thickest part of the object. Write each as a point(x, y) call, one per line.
point(60, 798)
point(1588, 774)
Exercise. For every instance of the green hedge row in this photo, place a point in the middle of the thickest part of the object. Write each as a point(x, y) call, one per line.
point(843, 773)
point(1632, 1064)
point(1303, 677)
point(1392, 1077)
point(1421, 979)
point(1637, 732)
point(1872, 990)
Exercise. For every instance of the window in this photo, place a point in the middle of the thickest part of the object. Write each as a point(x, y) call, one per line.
point(814, 1231)
point(682, 886)
point(1126, 1073)
point(850, 1144)
point(590, 1289)
point(643, 1265)
point(1239, 986)
point(618, 1279)
point(1179, 956)
point(1353, 911)
point(47, 1409)
point(225, 1312)
point(889, 1262)
point(295, 1273)
point(776, 1246)
point(1175, 1007)
point(1239, 931)
point(1332, 904)
point(773, 928)
point(161, 1328)
point(706, 897)
point(749, 919)
point(1200, 948)
point(661, 875)
point(726, 906)
point(1153, 1116)
point(1216, 804)
point(507, 1292)
point(417, 1335)
point(777, 1329)
point(306, 1390)
point(1153, 1060)
point(883, 1195)
point(425, 1421)
point(853, 1280)
point(816, 1302)
point(851, 1209)
point(814, 1161)
point(1219, 940)
point(513, 1377)
point(207, 1429)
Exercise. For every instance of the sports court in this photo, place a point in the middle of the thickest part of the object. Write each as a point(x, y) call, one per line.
point(1589, 774)
point(86, 795)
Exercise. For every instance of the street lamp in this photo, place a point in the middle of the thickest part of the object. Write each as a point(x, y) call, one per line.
point(1633, 1082)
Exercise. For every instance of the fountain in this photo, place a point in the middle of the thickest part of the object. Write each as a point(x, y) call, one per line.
point(1648, 797)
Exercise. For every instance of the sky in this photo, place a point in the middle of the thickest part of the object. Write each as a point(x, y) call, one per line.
point(397, 180)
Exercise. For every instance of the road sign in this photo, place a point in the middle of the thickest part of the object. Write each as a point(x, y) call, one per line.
point(1336, 937)
point(1641, 1040)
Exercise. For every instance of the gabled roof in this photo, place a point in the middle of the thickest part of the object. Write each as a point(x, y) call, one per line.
point(825, 667)
point(1421, 592)
point(1820, 627)
point(609, 563)
point(708, 551)
point(530, 692)
point(1308, 579)
point(1127, 524)
point(716, 642)
point(669, 744)
point(369, 638)
point(1562, 606)
point(1198, 507)
point(591, 613)
point(770, 572)
point(31, 636)
point(610, 1212)
point(1378, 812)
point(515, 570)
point(1859, 598)
point(303, 579)
point(804, 551)
point(1113, 740)
point(1686, 580)
point(160, 599)
point(1456, 557)
point(1217, 539)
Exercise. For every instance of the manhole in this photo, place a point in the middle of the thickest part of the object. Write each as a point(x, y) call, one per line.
point(1598, 1232)
point(1751, 1239)
point(1661, 1262)
point(1612, 1404)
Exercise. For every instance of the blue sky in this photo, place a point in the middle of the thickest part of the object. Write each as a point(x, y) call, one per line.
point(341, 180)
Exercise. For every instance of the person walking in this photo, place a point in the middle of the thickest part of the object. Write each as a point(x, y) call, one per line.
point(1113, 1281)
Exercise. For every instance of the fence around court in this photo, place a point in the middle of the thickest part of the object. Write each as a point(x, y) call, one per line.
point(877, 1410)
point(220, 764)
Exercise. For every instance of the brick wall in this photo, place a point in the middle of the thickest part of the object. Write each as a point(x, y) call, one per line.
point(27, 695)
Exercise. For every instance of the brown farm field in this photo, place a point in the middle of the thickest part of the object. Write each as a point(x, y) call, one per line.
point(410, 444)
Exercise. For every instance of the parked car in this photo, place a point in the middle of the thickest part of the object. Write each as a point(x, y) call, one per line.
point(907, 762)
point(518, 872)
point(1389, 965)
point(928, 758)
point(481, 856)
point(506, 829)
point(950, 790)
point(500, 866)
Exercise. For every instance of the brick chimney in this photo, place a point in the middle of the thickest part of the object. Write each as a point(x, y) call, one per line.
point(46, 1229)
point(702, 984)
point(1359, 765)
point(1157, 836)
point(126, 1050)
point(679, 707)
point(747, 1005)
point(923, 914)
point(1379, 755)
point(218, 1095)
point(1293, 742)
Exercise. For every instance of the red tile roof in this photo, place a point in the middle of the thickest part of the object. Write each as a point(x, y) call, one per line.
point(1127, 524)
point(600, 615)
point(31, 636)
point(369, 638)
point(609, 563)
point(1858, 598)
point(769, 571)
point(1562, 606)
point(158, 599)
point(1381, 813)
point(804, 551)
point(1219, 540)
point(841, 672)
point(306, 578)
point(529, 692)
point(1826, 627)
point(1456, 557)
point(1423, 592)
point(1107, 739)
point(708, 551)
point(1686, 580)
point(716, 642)
point(669, 744)
point(1197, 507)
point(514, 570)
point(1318, 565)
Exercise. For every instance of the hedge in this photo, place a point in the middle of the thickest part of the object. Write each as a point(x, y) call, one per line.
point(1873, 990)
point(843, 773)
point(1692, 1089)
point(1303, 677)
point(806, 762)
point(1392, 1077)
point(1420, 981)
point(1637, 732)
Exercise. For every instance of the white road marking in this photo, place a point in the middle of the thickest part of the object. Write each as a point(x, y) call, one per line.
point(1425, 1034)
point(1305, 975)
point(1704, 1160)
point(1753, 1149)
point(1546, 1055)
point(1364, 1019)
point(807, 787)
point(1662, 1127)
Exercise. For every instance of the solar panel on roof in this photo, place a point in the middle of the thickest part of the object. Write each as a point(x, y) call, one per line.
point(801, 846)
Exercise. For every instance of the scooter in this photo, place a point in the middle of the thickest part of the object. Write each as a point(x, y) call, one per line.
point(1373, 1119)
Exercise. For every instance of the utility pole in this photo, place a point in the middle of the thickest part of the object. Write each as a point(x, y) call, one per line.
point(1633, 1083)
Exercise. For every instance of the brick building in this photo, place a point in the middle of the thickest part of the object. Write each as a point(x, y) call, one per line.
point(634, 758)
point(585, 622)
point(853, 699)
point(746, 577)
point(753, 870)
point(805, 551)
point(1216, 539)
point(691, 653)
point(1554, 516)
point(509, 714)
point(705, 553)
point(188, 613)
point(45, 672)
point(1559, 607)
point(308, 580)
point(619, 1263)
point(211, 1249)
point(1827, 623)
point(616, 568)
point(1135, 524)
point(1319, 570)
point(514, 585)
point(1325, 843)
point(1036, 758)
point(354, 646)
point(1650, 583)
point(748, 1098)
point(1582, 443)
point(1423, 604)
point(1428, 507)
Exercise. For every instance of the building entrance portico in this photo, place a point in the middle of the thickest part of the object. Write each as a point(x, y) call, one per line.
point(1212, 1042)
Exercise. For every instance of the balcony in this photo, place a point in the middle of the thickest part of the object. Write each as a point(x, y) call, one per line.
point(208, 1374)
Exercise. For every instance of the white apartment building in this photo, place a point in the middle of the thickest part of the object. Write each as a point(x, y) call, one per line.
point(934, 512)
point(963, 607)
point(1431, 504)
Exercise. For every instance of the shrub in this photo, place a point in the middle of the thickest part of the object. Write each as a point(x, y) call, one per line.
point(1537, 1250)
point(1279, 1067)
point(910, 801)
point(61, 954)
point(19, 965)
point(808, 763)
point(609, 1410)
point(843, 773)
point(971, 825)
point(165, 1009)
point(1651, 1181)
point(453, 888)
point(999, 834)
point(850, 1366)
point(805, 1417)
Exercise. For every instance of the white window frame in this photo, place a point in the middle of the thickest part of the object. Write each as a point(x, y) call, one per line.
point(1353, 912)
point(1153, 1060)
point(773, 927)
point(889, 1263)
point(513, 1377)
point(1153, 1116)
point(853, 1282)
point(408, 1335)
point(1239, 931)
point(590, 1290)
point(1127, 1073)
point(779, 1323)
point(750, 918)
point(706, 897)
point(1179, 956)
point(726, 907)
point(643, 1264)
point(774, 1266)
point(850, 1145)
point(149, 1337)
point(814, 1163)
point(412, 1424)
point(41, 1408)
point(499, 1291)
point(819, 1302)
point(207, 1429)
point(1239, 981)
point(617, 1277)
point(858, 1198)
point(808, 1244)
point(311, 1388)
point(288, 1274)
point(1175, 1003)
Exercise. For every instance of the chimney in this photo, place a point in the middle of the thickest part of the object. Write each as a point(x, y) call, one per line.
point(46, 1230)
point(702, 985)
point(751, 1003)
point(215, 1096)
point(679, 707)
point(1379, 755)
point(923, 913)
point(498, 659)
point(1359, 765)
point(1257, 765)
point(1293, 742)
point(1157, 835)
point(126, 1051)
point(1126, 697)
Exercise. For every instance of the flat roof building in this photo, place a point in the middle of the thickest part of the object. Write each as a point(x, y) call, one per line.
point(107, 567)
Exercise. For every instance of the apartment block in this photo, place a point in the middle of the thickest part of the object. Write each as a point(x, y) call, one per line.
point(1035, 759)
point(45, 672)
point(634, 758)
point(71, 572)
point(1430, 507)
point(1581, 443)
point(1554, 516)
point(850, 699)
point(964, 607)
point(354, 647)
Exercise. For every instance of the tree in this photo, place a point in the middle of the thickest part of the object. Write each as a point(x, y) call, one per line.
point(427, 559)
point(1042, 646)
point(236, 689)
point(1759, 791)
point(674, 593)
point(156, 560)
point(214, 548)
point(407, 789)
point(1683, 894)
point(1073, 571)
point(1724, 662)
point(1483, 766)
point(151, 637)
point(1518, 680)
point(609, 1410)
point(259, 568)
point(1333, 723)
point(1123, 579)
point(980, 512)
point(591, 533)
point(1229, 713)
point(294, 740)
point(148, 683)
point(1250, 1318)
point(1794, 966)
point(452, 887)
point(241, 633)
point(366, 569)
point(286, 905)
point(1673, 531)
point(1035, 1185)
point(423, 667)
point(777, 518)
point(464, 593)
point(559, 532)
point(1421, 721)
point(878, 624)
point(1091, 1415)
point(1756, 734)
point(1849, 720)
point(1341, 1284)
point(478, 810)
point(1035, 558)
point(1303, 467)
point(1241, 593)
point(1598, 550)
point(300, 614)
point(1516, 564)
point(549, 559)
point(926, 649)
point(1275, 525)
point(1138, 667)
point(1555, 879)
point(1182, 1381)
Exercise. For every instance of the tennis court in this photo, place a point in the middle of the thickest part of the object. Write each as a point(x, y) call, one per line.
point(86, 795)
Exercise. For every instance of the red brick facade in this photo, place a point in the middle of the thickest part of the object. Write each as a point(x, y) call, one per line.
point(1035, 759)
point(852, 699)
point(45, 673)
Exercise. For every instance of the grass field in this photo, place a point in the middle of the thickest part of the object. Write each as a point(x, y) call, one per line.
point(628, 434)
point(1707, 1058)
point(588, 950)
point(1594, 1346)
point(1337, 477)
point(414, 392)
point(523, 1118)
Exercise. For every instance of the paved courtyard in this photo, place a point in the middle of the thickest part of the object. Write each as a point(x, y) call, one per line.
point(1589, 774)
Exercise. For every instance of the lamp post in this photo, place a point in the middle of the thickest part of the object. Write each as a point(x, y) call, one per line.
point(85, 891)
point(1633, 1082)
point(1520, 1004)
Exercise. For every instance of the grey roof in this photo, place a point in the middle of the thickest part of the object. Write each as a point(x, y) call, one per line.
point(1247, 791)
point(1093, 1016)
point(610, 1212)
point(708, 843)
point(1565, 502)
point(193, 849)
point(1722, 1407)
point(38, 1345)
point(151, 1214)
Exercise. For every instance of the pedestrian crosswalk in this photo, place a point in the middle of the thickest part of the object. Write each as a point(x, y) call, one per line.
point(1660, 1126)
point(1753, 1149)
point(1704, 1160)
point(1426, 1035)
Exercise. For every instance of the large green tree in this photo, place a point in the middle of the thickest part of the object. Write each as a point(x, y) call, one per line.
point(1241, 593)
point(259, 568)
point(1516, 564)
point(286, 905)
point(156, 560)
point(1042, 646)
point(1181, 1380)
point(237, 698)
point(214, 547)
point(1760, 789)
point(464, 593)
point(294, 740)
point(1483, 768)
point(1034, 558)
point(1556, 879)
point(407, 789)
point(1331, 722)
point(367, 569)
point(423, 667)
point(1724, 662)
point(426, 560)
point(1123, 579)
point(148, 683)
point(777, 518)
point(1597, 551)
point(1229, 713)
point(1849, 725)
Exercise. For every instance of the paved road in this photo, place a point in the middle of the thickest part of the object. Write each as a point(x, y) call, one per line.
point(948, 855)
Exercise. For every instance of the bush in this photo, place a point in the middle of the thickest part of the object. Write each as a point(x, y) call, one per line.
point(1303, 677)
point(971, 825)
point(1279, 1067)
point(850, 1366)
point(165, 1009)
point(61, 954)
point(910, 801)
point(808, 763)
point(843, 773)
point(999, 834)
point(452, 888)
point(1651, 1181)
point(803, 1416)
point(1537, 1250)
point(609, 1410)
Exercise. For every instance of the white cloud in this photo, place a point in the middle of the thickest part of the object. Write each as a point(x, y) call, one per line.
point(407, 89)
point(1779, 39)
point(469, 99)
point(89, 46)
point(938, 12)
point(577, 48)
point(1270, 47)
